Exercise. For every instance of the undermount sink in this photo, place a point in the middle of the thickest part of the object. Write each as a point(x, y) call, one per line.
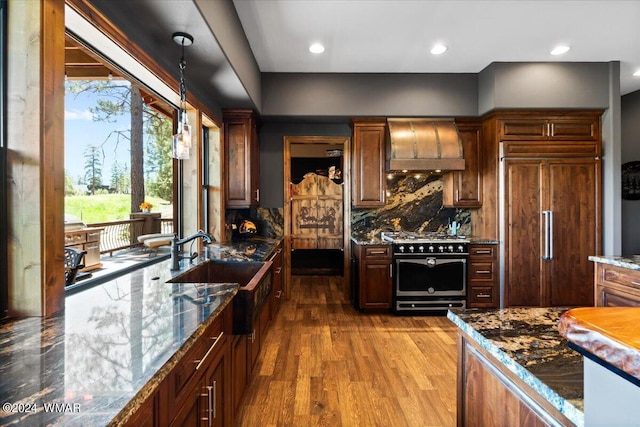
point(253, 277)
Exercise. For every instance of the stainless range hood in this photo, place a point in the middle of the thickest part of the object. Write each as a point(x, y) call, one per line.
point(416, 144)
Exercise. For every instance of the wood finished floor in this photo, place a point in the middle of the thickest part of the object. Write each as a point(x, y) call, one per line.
point(325, 364)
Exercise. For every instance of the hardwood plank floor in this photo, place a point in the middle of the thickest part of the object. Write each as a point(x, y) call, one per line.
point(325, 364)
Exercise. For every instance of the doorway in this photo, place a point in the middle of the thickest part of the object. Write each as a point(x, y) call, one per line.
point(317, 206)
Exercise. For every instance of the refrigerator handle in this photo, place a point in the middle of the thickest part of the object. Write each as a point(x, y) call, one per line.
point(547, 235)
point(550, 234)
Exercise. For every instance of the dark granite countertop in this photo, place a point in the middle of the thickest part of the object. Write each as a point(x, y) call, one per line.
point(527, 342)
point(255, 248)
point(107, 352)
point(363, 239)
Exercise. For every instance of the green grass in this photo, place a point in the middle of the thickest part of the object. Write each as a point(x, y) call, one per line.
point(109, 207)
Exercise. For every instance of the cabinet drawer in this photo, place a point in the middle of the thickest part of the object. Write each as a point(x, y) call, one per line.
point(619, 276)
point(197, 357)
point(482, 251)
point(377, 251)
point(612, 297)
point(480, 296)
point(481, 270)
point(523, 129)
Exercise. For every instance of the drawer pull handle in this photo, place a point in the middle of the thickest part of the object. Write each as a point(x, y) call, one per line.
point(279, 294)
point(483, 271)
point(483, 296)
point(635, 282)
point(201, 361)
point(378, 252)
point(278, 270)
point(483, 252)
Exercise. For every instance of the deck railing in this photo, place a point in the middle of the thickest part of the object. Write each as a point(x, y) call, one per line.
point(123, 234)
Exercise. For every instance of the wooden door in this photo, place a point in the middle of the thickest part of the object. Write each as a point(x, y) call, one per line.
point(523, 231)
point(572, 188)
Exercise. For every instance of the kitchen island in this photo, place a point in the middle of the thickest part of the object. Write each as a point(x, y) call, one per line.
point(514, 366)
point(118, 348)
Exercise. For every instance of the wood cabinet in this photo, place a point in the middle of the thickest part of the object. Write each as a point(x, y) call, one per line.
point(368, 162)
point(146, 415)
point(552, 226)
point(463, 189)
point(488, 393)
point(198, 388)
point(242, 159)
point(277, 281)
point(373, 277)
point(543, 168)
point(86, 239)
point(616, 286)
point(482, 272)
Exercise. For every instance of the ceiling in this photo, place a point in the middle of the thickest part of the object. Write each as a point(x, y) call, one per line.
point(377, 36)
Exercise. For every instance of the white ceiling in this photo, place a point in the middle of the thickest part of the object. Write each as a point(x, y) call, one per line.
point(373, 36)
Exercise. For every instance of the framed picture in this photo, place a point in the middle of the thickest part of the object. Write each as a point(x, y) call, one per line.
point(631, 181)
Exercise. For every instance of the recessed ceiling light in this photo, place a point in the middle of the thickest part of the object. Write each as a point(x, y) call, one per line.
point(438, 49)
point(316, 48)
point(636, 74)
point(559, 50)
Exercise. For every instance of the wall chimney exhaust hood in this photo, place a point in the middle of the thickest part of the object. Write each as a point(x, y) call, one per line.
point(417, 144)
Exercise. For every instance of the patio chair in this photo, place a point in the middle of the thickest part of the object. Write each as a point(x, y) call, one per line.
point(154, 241)
point(72, 263)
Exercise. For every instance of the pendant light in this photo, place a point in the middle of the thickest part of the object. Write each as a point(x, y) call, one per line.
point(182, 138)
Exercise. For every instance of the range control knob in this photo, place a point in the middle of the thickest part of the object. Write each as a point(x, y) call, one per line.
point(460, 248)
point(431, 248)
point(450, 248)
point(441, 248)
point(421, 248)
point(401, 248)
point(411, 248)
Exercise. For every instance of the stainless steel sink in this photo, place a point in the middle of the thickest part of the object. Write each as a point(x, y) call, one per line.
point(253, 277)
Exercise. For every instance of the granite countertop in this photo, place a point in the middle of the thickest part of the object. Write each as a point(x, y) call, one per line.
point(107, 352)
point(254, 248)
point(527, 342)
point(611, 334)
point(618, 261)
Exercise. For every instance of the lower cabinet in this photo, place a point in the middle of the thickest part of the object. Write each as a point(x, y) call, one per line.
point(200, 387)
point(616, 286)
point(277, 282)
point(489, 394)
point(482, 272)
point(373, 282)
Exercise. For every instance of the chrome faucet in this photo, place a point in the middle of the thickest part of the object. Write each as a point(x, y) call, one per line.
point(176, 243)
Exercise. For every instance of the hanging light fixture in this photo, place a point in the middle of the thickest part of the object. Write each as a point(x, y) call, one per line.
point(182, 138)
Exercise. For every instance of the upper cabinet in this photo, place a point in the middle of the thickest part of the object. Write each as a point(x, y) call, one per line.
point(463, 189)
point(242, 159)
point(369, 189)
point(557, 134)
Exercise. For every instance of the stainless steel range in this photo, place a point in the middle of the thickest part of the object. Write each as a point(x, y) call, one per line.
point(429, 271)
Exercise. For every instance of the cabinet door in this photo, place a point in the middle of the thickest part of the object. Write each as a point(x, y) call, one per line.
point(242, 159)
point(523, 232)
point(375, 285)
point(194, 411)
point(463, 189)
point(369, 185)
point(573, 191)
point(276, 287)
point(215, 386)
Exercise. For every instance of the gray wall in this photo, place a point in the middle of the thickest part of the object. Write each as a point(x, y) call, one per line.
point(271, 153)
point(350, 95)
point(630, 153)
point(543, 85)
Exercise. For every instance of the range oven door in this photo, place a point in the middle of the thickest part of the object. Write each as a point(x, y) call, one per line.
point(430, 277)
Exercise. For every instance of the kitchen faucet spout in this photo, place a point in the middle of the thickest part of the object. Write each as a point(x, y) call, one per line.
point(176, 243)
